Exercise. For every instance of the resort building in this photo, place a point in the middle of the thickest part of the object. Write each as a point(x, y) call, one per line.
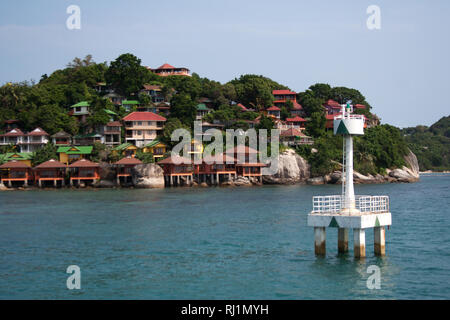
point(124, 167)
point(177, 171)
point(80, 111)
point(247, 163)
point(274, 112)
point(68, 155)
point(130, 104)
point(162, 107)
point(61, 138)
point(215, 169)
point(16, 173)
point(207, 102)
point(293, 137)
point(296, 122)
point(11, 124)
point(154, 92)
point(282, 96)
point(125, 149)
point(84, 171)
point(142, 128)
point(156, 148)
point(332, 107)
point(202, 110)
point(51, 171)
point(87, 139)
point(26, 142)
point(168, 70)
point(297, 109)
point(115, 98)
point(24, 157)
point(110, 133)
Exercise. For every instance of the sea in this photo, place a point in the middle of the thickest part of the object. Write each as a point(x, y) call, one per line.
point(217, 243)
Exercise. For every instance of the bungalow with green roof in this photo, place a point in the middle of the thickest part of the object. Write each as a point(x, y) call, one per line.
point(156, 148)
point(125, 149)
point(24, 157)
point(202, 110)
point(68, 155)
point(80, 110)
point(129, 104)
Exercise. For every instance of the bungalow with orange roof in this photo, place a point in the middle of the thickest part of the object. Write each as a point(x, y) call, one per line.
point(84, 170)
point(124, 167)
point(50, 171)
point(168, 70)
point(16, 172)
point(177, 170)
point(142, 128)
point(282, 96)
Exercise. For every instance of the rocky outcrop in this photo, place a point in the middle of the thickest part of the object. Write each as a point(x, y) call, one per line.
point(292, 168)
point(148, 175)
point(107, 176)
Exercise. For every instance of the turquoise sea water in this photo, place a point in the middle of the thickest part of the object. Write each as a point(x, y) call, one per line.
point(216, 243)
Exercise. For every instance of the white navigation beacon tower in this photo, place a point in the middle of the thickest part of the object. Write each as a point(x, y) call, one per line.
point(347, 211)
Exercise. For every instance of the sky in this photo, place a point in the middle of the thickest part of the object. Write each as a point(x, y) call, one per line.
point(402, 68)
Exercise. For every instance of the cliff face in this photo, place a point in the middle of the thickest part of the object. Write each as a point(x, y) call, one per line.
point(292, 168)
point(148, 176)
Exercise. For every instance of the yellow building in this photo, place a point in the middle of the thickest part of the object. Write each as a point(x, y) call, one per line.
point(157, 148)
point(125, 149)
point(24, 157)
point(68, 155)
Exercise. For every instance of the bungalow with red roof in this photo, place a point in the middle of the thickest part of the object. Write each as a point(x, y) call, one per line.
point(247, 163)
point(142, 128)
point(274, 111)
point(294, 137)
point(332, 107)
point(296, 122)
point(168, 70)
point(177, 170)
point(124, 167)
point(52, 171)
point(16, 172)
point(215, 168)
point(84, 170)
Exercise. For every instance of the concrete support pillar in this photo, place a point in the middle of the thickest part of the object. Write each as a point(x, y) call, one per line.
point(320, 240)
point(379, 241)
point(217, 178)
point(25, 183)
point(342, 240)
point(71, 182)
point(10, 183)
point(359, 243)
point(63, 183)
point(118, 181)
point(55, 183)
point(40, 183)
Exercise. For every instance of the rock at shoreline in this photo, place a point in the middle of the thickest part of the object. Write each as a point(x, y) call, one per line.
point(242, 181)
point(3, 187)
point(315, 181)
point(292, 168)
point(107, 176)
point(148, 175)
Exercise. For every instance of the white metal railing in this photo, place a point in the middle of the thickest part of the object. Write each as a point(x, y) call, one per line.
point(365, 204)
point(349, 116)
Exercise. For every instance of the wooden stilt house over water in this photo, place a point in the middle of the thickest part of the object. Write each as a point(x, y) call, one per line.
point(124, 167)
point(215, 169)
point(84, 171)
point(16, 173)
point(247, 162)
point(51, 171)
point(177, 170)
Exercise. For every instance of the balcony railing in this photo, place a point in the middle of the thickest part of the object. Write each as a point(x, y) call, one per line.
point(335, 204)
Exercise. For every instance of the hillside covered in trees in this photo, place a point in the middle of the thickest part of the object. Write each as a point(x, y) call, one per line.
point(46, 104)
point(431, 144)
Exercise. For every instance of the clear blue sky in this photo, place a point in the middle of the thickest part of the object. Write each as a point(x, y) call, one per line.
point(402, 69)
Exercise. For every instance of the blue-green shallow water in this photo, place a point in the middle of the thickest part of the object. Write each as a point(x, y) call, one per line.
point(216, 243)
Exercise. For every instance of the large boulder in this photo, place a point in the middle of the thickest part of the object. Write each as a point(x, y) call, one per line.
point(404, 175)
point(148, 175)
point(107, 176)
point(292, 168)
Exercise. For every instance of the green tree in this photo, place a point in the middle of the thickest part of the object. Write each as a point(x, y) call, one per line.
point(47, 152)
point(183, 108)
point(126, 74)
